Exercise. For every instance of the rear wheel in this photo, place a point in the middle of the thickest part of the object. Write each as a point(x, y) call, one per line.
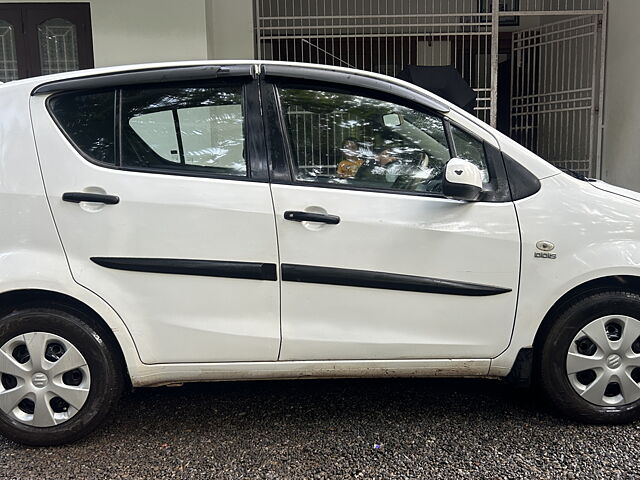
point(589, 364)
point(59, 378)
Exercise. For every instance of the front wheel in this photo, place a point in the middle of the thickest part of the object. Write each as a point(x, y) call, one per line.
point(589, 364)
point(59, 378)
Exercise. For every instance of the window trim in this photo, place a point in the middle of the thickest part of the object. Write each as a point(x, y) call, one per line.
point(253, 137)
point(165, 76)
point(178, 130)
point(352, 79)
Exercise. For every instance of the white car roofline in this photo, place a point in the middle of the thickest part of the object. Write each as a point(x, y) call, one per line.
point(78, 74)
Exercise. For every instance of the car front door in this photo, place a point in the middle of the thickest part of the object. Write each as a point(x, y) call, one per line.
point(376, 263)
point(164, 210)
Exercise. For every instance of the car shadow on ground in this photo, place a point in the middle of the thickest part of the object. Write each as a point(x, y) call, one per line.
point(342, 399)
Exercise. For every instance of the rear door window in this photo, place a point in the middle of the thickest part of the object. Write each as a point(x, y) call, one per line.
point(191, 129)
point(194, 128)
point(88, 120)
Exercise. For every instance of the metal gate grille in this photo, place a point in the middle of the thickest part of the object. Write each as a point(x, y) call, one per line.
point(557, 66)
point(555, 91)
point(381, 36)
point(320, 134)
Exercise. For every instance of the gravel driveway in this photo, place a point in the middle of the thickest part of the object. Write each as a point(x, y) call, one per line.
point(336, 429)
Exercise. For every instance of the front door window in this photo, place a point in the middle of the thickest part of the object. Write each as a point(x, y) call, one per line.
point(343, 139)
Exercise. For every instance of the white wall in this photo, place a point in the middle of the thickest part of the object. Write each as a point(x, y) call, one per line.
point(621, 152)
point(230, 29)
point(141, 31)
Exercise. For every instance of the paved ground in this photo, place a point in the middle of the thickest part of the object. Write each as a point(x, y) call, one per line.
point(336, 429)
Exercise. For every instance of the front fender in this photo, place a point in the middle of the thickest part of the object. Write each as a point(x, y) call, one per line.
point(595, 234)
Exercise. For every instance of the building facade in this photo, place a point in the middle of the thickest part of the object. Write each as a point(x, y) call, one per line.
point(559, 76)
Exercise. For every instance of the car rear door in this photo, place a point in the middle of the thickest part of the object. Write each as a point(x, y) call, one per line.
point(376, 263)
point(158, 187)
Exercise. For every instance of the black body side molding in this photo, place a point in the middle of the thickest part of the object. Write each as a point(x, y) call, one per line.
point(387, 281)
point(178, 266)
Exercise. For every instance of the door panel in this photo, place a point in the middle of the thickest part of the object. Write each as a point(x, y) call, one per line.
point(399, 272)
point(178, 256)
point(425, 237)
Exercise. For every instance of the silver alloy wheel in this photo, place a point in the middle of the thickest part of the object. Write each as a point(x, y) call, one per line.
point(603, 361)
point(44, 379)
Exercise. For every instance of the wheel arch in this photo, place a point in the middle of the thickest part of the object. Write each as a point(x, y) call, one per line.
point(616, 282)
point(13, 300)
point(521, 369)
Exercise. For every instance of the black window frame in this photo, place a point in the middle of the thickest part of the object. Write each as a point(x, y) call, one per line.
point(254, 143)
point(280, 148)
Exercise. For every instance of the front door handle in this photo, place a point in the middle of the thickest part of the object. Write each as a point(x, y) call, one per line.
point(77, 197)
point(311, 217)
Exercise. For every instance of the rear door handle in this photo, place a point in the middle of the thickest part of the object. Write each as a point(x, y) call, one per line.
point(311, 217)
point(77, 197)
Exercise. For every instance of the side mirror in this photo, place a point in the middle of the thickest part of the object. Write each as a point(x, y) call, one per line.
point(462, 180)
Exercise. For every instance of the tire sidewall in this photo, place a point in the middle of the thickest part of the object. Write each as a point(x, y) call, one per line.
point(104, 388)
point(553, 371)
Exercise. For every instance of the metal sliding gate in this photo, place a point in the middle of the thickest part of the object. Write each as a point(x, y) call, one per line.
point(556, 98)
point(381, 36)
point(556, 66)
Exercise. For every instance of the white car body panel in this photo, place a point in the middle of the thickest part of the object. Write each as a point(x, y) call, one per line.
point(595, 233)
point(31, 255)
point(599, 184)
point(402, 234)
point(179, 318)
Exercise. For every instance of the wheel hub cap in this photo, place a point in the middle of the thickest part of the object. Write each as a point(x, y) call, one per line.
point(44, 379)
point(602, 365)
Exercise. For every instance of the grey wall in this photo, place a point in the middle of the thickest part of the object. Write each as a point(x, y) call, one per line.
point(142, 31)
point(621, 148)
point(230, 29)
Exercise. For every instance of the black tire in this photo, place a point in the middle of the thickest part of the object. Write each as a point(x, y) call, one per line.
point(103, 360)
point(551, 370)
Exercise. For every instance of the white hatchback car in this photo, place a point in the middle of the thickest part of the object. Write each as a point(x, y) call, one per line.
point(192, 222)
